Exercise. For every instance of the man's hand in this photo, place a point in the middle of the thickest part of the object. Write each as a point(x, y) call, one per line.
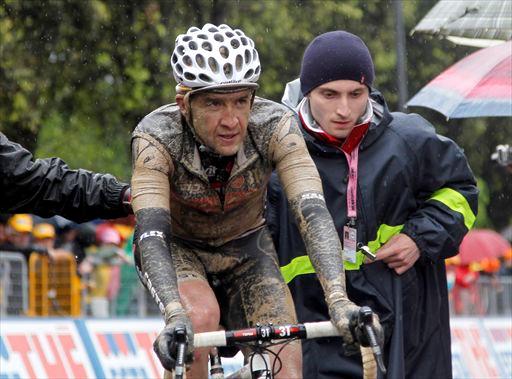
point(399, 253)
point(165, 345)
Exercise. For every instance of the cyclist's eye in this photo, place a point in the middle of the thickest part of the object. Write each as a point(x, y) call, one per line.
point(242, 101)
point(356, 94)
point(212, 103)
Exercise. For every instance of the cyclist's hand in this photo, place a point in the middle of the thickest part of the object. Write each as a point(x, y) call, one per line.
point(165, 345)
point(359, 332)
point(341, 313)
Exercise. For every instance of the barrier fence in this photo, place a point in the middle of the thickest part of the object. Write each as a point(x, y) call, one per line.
point(52, 287)
point(13, 284)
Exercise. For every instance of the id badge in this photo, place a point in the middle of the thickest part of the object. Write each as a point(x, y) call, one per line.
point(349, 243)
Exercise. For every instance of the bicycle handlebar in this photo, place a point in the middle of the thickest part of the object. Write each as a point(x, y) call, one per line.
point(263, 333)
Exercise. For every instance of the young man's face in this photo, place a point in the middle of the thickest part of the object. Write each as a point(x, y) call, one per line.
point(220, 119)
point(337, 106)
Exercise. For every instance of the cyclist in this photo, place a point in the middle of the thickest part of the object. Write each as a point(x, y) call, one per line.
point(200, 171)
point(414, 198)
point(47, 187)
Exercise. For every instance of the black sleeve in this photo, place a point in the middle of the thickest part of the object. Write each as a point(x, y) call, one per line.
point(447, 196)
point(47, 187)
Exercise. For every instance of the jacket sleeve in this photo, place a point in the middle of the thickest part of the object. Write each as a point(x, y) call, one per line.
point(446, 193)
point(47, 187)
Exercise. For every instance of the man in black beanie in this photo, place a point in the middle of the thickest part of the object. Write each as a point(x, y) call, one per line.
point(391, 184)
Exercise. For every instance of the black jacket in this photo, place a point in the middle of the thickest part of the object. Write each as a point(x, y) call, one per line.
point(412, 181)
point(47, 187)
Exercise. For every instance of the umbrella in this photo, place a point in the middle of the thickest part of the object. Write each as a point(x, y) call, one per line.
point(469, 22)
point(479, 85)
point(480, 244)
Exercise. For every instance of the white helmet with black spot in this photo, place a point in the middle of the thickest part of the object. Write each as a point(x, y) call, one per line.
point(215, 57)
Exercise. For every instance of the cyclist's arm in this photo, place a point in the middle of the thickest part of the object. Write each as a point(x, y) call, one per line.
point(303, 188)
point(48, 187)
point(152, 167)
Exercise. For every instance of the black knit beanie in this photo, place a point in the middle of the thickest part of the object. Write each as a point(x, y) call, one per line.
point(336, 55)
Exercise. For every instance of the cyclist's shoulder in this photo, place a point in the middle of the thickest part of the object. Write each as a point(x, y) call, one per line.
point(163, 124)
point(163, 119)
point(268, 113)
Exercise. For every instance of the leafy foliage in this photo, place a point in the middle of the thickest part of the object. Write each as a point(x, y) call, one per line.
point(77, 76)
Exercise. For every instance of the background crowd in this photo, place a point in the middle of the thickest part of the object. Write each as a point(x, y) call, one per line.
point(103, 254)
point(102, 251)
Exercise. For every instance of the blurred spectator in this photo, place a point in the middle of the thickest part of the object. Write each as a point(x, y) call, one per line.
point(44, 238)
point(506, 264)
point(128, 281)
point(3, 233)
point(19, 229)
point(44, 235)
point(102, 266)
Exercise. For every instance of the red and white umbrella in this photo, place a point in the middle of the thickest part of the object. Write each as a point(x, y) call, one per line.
point(479, 85)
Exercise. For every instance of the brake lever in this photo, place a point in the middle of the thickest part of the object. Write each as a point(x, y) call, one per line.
point(180, 336)
point(366, 318)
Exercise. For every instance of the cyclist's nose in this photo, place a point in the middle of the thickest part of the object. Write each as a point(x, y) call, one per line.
point(229, 118)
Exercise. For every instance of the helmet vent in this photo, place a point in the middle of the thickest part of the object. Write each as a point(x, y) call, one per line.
point(213, 29)
point(187, 38)
point(202, 36)
point(224, 52)
point(248, 74)
point(213, 65)
point(179, 69)
point(228, 70)
point(229, 34)
point(218, 37)
point(247, 54)
point(200, 61)
point(189, 76)
point(192, 45)
point(205, 78)
point(244, 41)
point(207, 46)
point(239, 61)
point(180, 50)
point(235, 43)
point(187, 60)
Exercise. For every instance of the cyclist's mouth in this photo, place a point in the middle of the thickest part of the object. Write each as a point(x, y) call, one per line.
point(227, 137)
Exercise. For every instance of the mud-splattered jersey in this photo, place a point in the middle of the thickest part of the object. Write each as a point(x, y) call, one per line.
point(197, 213)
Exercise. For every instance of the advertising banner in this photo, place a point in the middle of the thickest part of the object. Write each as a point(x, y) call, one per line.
point(40, 349)
point(482, 348)
point(37, 348)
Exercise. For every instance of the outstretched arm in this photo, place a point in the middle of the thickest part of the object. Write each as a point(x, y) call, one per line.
point(47, 187)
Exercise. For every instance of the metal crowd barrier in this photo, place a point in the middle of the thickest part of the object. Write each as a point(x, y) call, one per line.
point(13, 284)
point(489, 296)
point(54, 286)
